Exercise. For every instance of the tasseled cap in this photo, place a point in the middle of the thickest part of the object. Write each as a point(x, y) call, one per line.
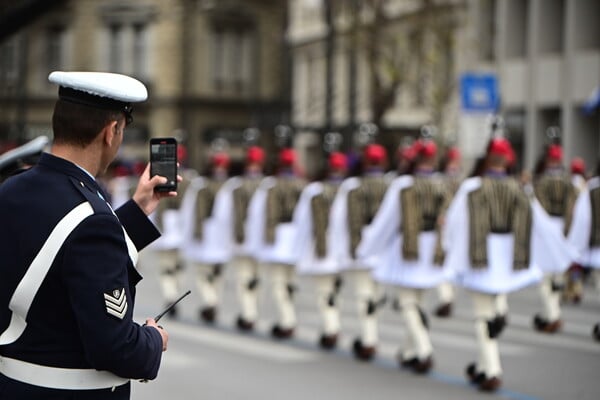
point(453, 154)
point(554, 152)
point(578, 166)
point(338, 161)
point(287, 157)
point(500, 146)
point(425, 148)
point(255, 155)
point(375, 154)
point(220, 160)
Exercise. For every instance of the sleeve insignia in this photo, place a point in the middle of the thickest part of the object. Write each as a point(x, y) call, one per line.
point(116, 303)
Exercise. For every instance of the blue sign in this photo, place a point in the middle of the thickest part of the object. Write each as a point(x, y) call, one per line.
point(479, 92)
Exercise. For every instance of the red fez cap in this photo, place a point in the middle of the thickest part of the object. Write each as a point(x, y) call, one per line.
point(453, 153)
point(139, 167)
point(406, 153)
point(578, 166)
point(428, 149)
point(122, 170)
point(181, 153)
point(255, 154)
point(555, 152)
point(375, 153)
point(287, 157)
point(220, 160)
point(500, 147)
point(511, 157)
point(338, 161)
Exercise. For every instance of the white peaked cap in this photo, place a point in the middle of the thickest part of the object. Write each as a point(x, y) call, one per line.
point(117, 87)
point(30, 148)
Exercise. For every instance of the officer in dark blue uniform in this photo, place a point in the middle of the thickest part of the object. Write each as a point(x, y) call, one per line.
point(67, 275)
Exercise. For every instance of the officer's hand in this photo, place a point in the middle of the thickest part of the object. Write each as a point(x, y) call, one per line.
point(145, 196)
point(164, 334)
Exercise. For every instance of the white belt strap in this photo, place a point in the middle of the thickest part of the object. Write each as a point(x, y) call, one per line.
point(58, 378)
point(22, 298)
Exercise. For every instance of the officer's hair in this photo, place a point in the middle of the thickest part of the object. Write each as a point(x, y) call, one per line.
point(78, 124)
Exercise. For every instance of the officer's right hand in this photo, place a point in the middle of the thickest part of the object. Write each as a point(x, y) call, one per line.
point(163, 334)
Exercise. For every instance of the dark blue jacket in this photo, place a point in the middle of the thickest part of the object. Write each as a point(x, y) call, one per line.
point(68, 323)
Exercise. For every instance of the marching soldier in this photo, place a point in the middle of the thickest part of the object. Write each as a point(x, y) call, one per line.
point(573, 291)
point(450, 168)
point(406, 228)
point(168, 219)
point(317, 238)
point(492, 236)
point(245, 243)
point(279, 252)
point(207, 243)
point(585, 231)
point(556, 194)
point(363, 196)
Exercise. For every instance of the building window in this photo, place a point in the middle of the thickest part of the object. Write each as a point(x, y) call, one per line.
point(487, 30)
point(140, 50)
point(517, 16)
point(127, 32)
point(9, 64)
point(55, 48)
point(233, 59)
point(116, 48)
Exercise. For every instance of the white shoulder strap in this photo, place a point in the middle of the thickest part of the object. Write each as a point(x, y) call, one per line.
point(27, 288)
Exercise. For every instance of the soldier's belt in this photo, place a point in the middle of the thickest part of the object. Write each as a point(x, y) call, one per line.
point(58, 378)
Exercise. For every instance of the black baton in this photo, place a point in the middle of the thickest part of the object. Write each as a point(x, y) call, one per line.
point(159, 316)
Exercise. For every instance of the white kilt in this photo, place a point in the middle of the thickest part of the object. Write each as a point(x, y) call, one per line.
point(580, 232)
point(172, 235)
point(498, 276)
point(420, 274)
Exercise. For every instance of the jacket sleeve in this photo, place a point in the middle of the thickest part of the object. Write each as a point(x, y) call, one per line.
point(96, 270)
point(138, 226)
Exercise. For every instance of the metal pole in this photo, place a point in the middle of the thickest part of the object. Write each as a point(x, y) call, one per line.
point(352, 73)
point(329, 46)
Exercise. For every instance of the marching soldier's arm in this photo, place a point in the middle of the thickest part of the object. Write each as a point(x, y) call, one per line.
point(100, 282)
point(522, 222)
point(202, 211)
point(240, 206)
point(572, 194)
point(319, 222)
point(273, 214)
point(355, 219)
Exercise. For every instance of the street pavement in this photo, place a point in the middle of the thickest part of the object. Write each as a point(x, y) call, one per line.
point(218, 362)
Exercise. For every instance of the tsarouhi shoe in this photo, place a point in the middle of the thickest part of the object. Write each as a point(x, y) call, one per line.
point(243, 324)
point(444, 310)
point(361, 352)
point(596, 332)
point(490, 384)
point(543, 325)
point(475, 377)
point(282, 333)
point(328, 342)
point(208, 314)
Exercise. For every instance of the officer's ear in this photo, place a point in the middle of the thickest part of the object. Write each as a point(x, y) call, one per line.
point(110, 130)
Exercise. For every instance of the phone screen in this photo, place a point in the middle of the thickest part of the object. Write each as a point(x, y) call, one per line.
point(163, 162)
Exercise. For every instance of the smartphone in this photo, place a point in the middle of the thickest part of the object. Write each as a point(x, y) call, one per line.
point(163, 162)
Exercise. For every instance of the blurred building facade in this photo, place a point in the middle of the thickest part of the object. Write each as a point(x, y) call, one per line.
point(350, 57)
point(546, 54)
point(212, 68)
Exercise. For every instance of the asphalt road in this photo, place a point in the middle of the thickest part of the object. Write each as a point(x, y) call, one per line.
point(217, 362)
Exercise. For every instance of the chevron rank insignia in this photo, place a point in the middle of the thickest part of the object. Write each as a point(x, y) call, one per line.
point(116, 302)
